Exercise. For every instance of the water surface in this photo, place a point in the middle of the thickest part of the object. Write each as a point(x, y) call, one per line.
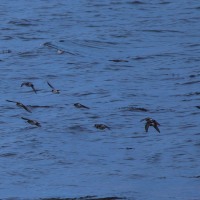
point(126, 60)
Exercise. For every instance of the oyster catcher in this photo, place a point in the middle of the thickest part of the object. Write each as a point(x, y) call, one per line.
point(54, 91)
point(21, 105)
point(32, 122)
point(29, 84)
point(151, 122)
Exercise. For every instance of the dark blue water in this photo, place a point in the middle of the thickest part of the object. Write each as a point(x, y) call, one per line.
point(126, 60)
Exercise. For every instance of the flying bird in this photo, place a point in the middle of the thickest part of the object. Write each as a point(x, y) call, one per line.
point(21, 105)
point(54, 91)
point(101, 126)
point(32, 122)
point(151, 122)
point(78, 105)
point(29, 84)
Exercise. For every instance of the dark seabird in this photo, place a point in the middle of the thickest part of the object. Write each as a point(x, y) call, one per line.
point(101, 126)
point(21, 105)
point(29, 84)
point(32, 122)
point(54, 91)
point(151, 122)
point(78, 105)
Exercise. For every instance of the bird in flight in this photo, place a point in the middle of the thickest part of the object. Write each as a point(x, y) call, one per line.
point(20, 105)
point(29, 84)
point(101, 126)
point(54, 91)
point(151, 122)
point(32, 122)
point(79, 105)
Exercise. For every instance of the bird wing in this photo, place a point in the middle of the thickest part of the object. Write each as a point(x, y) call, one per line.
point(108, 127)
point(22, 84)
point(156, 127)
point(76, 105)
point(82, 106)
point(38, 124)
point(34, 89)
point(50, 85)
point(146, 118)
point(11, 101)
point(34, 122)
point(147, 126)
point(156, 123)
point(24, 118)
point(25, 108)
point(85, 107)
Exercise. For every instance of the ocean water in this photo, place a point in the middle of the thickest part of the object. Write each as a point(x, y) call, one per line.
point(125, 60)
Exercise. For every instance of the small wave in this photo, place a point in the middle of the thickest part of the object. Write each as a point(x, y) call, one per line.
point(143, 57)
point(5, 51)
point(118, 60)
point(191, 82)
point(197, 176)
point(135, 2)
point(8, 154)
point(36, 106)
point(165, 2)
point(160, 31)
point(191, 94)
point(28, 54)
point(137, 109)
point(85, 198)
point(22, 22)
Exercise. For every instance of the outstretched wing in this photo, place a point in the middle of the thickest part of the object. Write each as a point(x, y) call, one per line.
point(85, 106)
point(156, 122)
point(25, 108)
point(11, 101)
point(78, 105)
point(156, 127)
point(50, 85)
point(24, 118)
point(34, 89)
point(147, 126)
point(23, 84)
point(146, 119)
point(107, 127)
point(38, 124)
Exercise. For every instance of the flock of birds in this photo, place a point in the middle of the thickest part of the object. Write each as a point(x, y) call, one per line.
point(149, 121)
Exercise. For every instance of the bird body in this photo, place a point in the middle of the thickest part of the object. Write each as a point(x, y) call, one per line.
point(54, 91)
point(20, 105)
point(101, 126)
point(151, 122)
point(79, 105)
point(29, 84)
point(32, 122)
